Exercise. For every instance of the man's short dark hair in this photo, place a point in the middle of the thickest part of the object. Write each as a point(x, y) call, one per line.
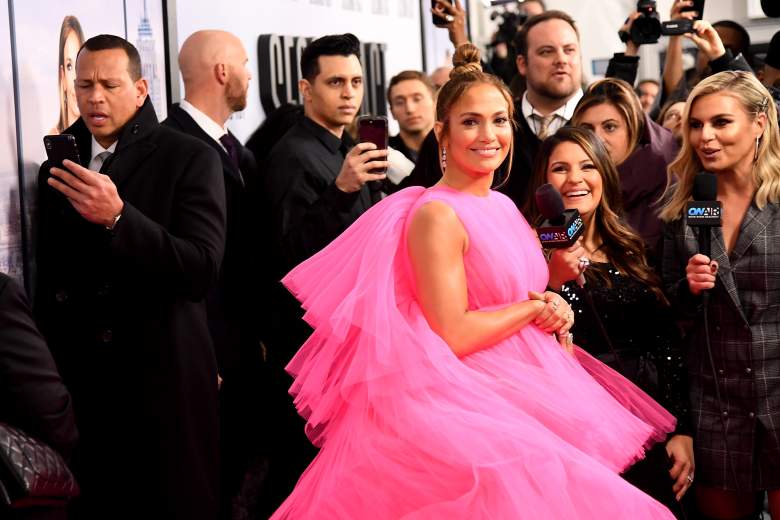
point(105, 42)
point(743, 45)
point(410, 75)
point(521, 39)
point(330, 45)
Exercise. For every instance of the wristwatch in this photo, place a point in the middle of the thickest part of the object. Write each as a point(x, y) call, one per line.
point(111, 226)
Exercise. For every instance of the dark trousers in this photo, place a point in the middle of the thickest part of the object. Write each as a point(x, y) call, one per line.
point(244, 441)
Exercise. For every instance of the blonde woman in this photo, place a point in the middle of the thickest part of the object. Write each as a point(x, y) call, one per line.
point(730, 128)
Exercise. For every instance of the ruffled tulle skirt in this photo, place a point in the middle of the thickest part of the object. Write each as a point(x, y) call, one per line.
point(408, 430)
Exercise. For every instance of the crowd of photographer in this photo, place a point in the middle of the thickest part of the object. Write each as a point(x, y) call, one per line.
point(159, 295)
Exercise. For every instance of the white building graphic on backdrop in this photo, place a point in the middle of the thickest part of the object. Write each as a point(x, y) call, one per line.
point(146, 48)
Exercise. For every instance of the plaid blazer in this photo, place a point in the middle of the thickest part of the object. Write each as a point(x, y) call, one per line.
point(744, 328)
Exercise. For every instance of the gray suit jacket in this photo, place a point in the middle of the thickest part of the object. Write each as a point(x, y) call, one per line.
point(744, 330)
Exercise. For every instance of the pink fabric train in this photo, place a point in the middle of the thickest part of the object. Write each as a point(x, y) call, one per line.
point(520, 430)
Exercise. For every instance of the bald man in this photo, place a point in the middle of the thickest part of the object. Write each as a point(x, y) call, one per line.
point(213, 65)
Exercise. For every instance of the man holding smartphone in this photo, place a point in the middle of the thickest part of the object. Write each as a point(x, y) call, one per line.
point(129, 243)
point(315, 186)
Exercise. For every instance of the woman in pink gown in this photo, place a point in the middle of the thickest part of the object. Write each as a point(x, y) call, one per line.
point(433, 382)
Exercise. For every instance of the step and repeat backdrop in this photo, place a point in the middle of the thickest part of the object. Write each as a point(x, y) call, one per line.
point(41, 39)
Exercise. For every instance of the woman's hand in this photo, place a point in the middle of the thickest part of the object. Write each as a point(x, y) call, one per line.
point(456, 20)
point(700, 273)
point(676, 12)
point(707, 39)
point(556, 315)
point(564, 264)
point(680, 451)
point(632, 49)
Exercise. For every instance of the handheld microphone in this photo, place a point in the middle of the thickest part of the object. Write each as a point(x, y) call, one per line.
point(561, 227)
point(704, 212)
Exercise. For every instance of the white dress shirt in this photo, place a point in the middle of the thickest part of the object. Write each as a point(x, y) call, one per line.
point(97, 160)
point(561, 116)
point(208, 125)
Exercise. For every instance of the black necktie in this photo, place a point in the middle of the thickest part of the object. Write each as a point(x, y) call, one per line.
point(232, 146)
point(106, 156)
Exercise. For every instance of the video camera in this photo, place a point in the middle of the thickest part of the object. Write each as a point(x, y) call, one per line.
point(507, 28)
point(648, 28)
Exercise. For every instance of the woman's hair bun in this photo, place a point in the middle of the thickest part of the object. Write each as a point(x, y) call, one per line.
point(466, 60)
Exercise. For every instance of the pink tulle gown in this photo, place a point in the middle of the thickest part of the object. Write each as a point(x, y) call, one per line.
point(520, 430)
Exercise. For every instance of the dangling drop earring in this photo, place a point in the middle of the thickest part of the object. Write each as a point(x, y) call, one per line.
point(755, 156)
point(443, 159)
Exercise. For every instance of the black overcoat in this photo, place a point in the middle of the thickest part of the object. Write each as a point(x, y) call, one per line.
point(124, 314)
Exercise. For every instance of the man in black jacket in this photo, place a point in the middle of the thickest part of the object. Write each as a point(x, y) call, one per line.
point(315, 183)
point(129, 244)
point(548, 57)
point(213, 67)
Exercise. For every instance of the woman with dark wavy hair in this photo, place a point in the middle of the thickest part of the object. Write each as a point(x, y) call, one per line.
point(626, 294)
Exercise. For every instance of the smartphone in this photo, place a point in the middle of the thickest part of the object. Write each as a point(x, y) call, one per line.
point(676, 27)
point(373, 129)
point(61, 147)
point(440, 21)
point(698, 6)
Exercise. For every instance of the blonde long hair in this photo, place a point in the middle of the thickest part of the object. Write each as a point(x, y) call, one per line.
point(755, 99)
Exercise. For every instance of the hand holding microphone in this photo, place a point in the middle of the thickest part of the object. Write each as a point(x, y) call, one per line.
point(561, 231)
point(704, 212)
point(700, 273)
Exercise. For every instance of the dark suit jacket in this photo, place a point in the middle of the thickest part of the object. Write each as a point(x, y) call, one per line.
point(124, 314)
point(32, 396)
point(744, 331)
point(230, 304)
point(526, 148)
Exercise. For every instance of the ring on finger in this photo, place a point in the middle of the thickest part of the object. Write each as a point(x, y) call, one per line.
point(689, 478)
point(449, 18)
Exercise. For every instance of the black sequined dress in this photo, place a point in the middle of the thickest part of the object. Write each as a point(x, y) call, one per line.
point(645, 338)
point(642, 332)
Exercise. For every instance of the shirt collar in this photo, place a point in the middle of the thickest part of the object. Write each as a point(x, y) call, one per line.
point(565, 111)
point(97, 148)
point(330, 141)
point(208, 125)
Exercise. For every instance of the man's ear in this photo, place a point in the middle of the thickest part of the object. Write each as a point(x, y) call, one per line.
point(141, 91)
point(304, 87)
point(221, 73)
point(522, 65)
